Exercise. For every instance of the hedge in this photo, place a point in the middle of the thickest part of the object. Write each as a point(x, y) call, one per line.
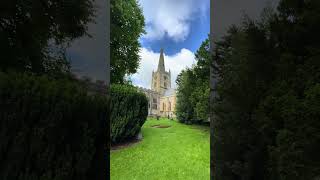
point(50, 129)
point(129, 111)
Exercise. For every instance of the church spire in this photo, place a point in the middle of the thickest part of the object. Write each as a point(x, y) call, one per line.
point(161, 67)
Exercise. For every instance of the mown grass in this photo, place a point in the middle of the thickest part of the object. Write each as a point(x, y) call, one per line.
point(178, 152)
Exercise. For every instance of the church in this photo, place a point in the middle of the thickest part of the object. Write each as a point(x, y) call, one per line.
point(162, 98)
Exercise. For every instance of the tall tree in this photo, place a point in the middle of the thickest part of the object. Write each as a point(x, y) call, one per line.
point(193, 88)
point(184, 109)
point(29, 29)
point(127, 24)
point(265, 123)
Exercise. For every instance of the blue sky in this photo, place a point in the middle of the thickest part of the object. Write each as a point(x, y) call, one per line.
point(178, 26)
point(198, 32)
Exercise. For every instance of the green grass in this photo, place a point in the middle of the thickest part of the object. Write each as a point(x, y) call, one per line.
point(178, 152)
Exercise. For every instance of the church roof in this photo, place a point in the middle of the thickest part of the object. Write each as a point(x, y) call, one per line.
point(169, 92)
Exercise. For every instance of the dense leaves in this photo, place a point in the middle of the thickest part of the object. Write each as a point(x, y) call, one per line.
point(129, 108)
point(266, 123)
point(193, 89)
point(35, 33)
point(50, 129)
point(127, 24)
point(51, 125)
point(129, 111)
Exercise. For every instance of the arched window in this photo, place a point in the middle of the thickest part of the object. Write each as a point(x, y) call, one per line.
point(169, 108)
point(165, 84)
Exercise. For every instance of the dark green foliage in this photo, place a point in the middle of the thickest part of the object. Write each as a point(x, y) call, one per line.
point(266, 123)
point(129, 111)
point(184, 108)
point(31, 30)
point(193, 89)
point(50, 129)
point(127, 25)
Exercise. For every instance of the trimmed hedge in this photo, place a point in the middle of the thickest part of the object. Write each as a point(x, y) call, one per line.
point(129, 111)
point(50, 129)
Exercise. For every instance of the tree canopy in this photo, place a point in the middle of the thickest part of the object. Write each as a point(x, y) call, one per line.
point(127, 25)
point(29, 29)
point(266, 123)
point(193, 88)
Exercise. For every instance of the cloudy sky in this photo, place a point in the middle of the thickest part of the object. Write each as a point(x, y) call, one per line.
point(228, 12)
point(88, 54)
point(177, 26)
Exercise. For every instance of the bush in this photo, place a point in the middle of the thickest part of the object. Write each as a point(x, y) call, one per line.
point(50, 129)
point(129, 111)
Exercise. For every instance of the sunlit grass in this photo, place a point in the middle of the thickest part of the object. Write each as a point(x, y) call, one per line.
point(178, 152)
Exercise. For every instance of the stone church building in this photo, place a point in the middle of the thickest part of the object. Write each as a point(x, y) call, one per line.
point(162, 98)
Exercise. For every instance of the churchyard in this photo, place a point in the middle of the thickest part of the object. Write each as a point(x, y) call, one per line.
point(168, 150)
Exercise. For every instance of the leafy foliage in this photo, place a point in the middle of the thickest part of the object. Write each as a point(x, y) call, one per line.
point(50, 129)
point(193, 89)
point(127, 24)
point(268, 72)
point(129, 111)
point(34, 33)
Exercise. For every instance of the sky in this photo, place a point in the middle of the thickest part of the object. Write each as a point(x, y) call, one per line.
point(228, 12)
point(88, 54)
point(177, 26)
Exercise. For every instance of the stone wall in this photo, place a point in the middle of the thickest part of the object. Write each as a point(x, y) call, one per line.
point(167, 106)
point(159, 105)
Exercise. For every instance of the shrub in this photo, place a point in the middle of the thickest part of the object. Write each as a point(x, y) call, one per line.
point(49, 129)
point(129, 111)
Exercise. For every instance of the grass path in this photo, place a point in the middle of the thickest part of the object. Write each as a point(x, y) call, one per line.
point(178, 152)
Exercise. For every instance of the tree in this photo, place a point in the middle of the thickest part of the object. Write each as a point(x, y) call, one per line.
point(268, 89)
point(34, 33)
point(193, 88)
point(127, 24)
point(242, 58)
point(184, 108)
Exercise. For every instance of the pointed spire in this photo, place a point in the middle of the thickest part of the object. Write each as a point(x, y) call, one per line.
point(161, 67)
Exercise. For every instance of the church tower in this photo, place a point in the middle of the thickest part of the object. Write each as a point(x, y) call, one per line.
point(161, 79)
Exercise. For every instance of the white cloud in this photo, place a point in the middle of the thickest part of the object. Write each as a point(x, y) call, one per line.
point(149, 62)
point(171, 17)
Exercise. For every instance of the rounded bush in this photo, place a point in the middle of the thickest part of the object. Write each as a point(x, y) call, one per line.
point(129, 111)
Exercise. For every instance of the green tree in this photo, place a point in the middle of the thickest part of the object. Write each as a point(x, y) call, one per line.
point(193, 88)
point(268, 88)
point(127, 24)
point(30, 29)
point(184, 108)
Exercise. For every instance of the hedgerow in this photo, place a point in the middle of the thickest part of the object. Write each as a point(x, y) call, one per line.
point(49, 129)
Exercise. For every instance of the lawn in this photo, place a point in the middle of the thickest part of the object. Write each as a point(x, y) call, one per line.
point(178, 152)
